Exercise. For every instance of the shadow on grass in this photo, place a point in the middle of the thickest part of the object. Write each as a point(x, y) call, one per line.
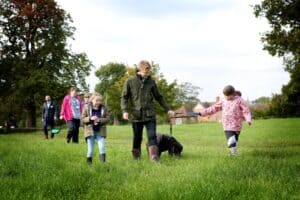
point(10, 173)
point(274, 154)
point(274, 145)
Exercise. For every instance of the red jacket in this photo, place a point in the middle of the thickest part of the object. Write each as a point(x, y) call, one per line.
point(66, 108)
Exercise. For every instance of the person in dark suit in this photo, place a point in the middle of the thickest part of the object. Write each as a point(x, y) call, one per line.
point(49, 115)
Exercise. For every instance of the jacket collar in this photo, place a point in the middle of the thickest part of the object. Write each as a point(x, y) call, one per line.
point(140, 77)
point(90, 107)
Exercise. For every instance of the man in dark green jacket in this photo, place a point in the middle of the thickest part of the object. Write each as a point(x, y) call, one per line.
point(137, 98)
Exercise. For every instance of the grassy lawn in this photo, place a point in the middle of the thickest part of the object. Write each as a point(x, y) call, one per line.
point(268, 166)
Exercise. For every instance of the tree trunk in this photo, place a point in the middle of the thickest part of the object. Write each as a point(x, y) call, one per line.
point(116, 120)
point(31, 115)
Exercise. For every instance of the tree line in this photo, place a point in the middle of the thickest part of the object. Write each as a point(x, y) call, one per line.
point(283, 40)
point(36, 59)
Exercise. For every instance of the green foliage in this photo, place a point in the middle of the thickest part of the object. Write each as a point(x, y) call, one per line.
point(262, 100)
point(283, 41)
point(35, 59)
point(188, 94)
point(108, 75)
point(169, 91)
point(111, 80)
point(280, 106)
point(267, 166)
point(260, 108)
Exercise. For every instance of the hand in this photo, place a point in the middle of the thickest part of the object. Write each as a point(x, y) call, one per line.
point(61, 117)
point(125, 115)
point(249, 123)
point(42, 119)
point(55, 118)
point(171, 113)
point(94, 118)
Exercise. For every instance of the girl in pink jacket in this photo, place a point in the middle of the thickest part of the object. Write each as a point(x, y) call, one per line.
point(234, 110)
point(71, 112)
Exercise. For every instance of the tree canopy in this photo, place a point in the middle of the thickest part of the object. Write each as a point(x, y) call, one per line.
point(35, 57)
point(283, 40)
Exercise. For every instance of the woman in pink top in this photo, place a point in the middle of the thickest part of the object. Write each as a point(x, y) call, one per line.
point(71, 112)
point(234, 110)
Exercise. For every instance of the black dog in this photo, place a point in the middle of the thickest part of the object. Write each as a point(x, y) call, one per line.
point(168, 143)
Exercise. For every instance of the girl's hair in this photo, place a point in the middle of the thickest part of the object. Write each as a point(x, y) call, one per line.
point(94, 95)
point(238, 93)
point(73, 88)
point(229, 90)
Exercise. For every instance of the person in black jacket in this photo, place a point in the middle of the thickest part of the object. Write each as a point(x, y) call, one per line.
point(49, 115)
point(137, 98)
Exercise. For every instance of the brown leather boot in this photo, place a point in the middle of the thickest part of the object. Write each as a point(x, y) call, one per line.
point(136, 153)
point(153, 151)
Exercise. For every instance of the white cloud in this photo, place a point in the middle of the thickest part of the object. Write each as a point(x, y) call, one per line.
point(209, 49)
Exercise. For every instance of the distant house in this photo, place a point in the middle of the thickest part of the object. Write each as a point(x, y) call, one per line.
point(212, 118)
point(183, 111)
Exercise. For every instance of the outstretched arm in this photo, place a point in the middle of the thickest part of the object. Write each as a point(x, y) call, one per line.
point(246, 111)
point(212, 109)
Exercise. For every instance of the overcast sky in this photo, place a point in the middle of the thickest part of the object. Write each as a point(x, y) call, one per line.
point(210, 43)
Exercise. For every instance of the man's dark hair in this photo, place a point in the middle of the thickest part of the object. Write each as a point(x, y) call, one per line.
point(229, 90)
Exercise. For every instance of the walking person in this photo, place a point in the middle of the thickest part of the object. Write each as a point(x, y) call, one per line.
point(49, 115)
point(95, 117)
point(137, 99)
point(234, 111)
point(71, 112)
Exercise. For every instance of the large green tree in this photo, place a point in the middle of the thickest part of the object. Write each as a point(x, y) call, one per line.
point(109, 86)
point(35, 58)
point(283, 40)
point(188, 95)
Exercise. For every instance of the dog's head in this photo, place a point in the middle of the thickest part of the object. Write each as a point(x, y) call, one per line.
point(175, 148)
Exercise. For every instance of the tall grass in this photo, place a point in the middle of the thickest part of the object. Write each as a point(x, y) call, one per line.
point(268, 166)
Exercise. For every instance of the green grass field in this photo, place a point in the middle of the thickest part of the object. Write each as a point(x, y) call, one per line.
point(268, 166)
